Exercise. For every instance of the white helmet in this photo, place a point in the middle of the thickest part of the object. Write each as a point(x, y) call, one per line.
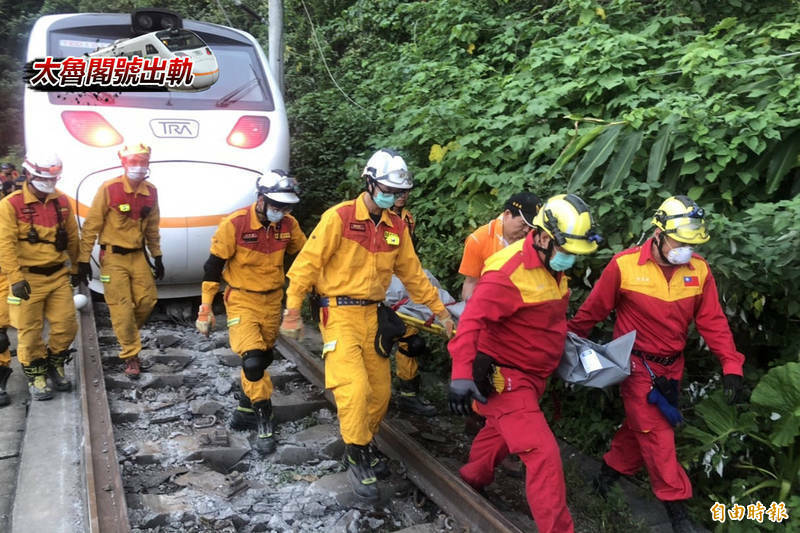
point(388, 168)
point(279, 187)
point(43, 163)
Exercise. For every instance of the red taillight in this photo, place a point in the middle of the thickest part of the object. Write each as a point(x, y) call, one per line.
point(90, 128)
point(208, 52)
point(249, 132)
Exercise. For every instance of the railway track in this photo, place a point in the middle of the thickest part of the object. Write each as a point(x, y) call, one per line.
point(106, 482)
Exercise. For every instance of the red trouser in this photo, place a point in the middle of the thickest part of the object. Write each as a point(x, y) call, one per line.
point(515, 424)
point(647, 439)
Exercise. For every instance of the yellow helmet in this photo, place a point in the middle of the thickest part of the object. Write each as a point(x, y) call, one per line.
point(567, 220)
point(680, 218)
point(134, 149)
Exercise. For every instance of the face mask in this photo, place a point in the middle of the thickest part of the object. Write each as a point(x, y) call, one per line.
point(680, 256)
point(383, 200)
point(45, 186)
point(136, 173)
point(274, 215)
point(562, 261)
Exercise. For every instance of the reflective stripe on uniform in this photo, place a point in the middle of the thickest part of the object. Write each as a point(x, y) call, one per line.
point(234, 321)
point(13, 300)
point(105, 279)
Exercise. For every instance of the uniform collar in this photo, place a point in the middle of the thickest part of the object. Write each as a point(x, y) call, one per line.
point(255, 223)
point(142, 188)
point(646, 254)
point(30, 198)
point(362, 213)
point(497, 228)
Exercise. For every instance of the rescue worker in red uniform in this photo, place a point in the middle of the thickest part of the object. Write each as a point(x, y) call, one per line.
point(247, 251)
point(349, 258)
point(658, 289)
point(510, 339)
point(124, 217)
point(412, 346)
point(38, 234)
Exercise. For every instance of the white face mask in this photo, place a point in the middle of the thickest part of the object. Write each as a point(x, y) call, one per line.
point(44, 185)
point(137, 173)
point(680, 256)
point(274, 215)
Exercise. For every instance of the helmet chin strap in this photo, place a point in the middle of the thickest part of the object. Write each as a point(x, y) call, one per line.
point(659, 246)
point(547, 253)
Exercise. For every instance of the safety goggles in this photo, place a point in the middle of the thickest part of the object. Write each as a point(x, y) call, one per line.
point(285, 184)
point(390, 190)
point(397, 178)
point(52, 171)
point(688, 227)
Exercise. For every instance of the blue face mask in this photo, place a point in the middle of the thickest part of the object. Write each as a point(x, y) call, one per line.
point(383, 200)
point(562, 261)
point(274, 215)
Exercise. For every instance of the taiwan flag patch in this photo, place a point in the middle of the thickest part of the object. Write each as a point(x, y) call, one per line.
point(691, 281)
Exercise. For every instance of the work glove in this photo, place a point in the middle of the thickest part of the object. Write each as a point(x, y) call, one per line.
point(159, 268)
point(21, 289)
point(292, 325)
point(448, 323)
point(205, 319)
point(3, 340)
point(733, 386)
point(83, 276)
point(462, 392)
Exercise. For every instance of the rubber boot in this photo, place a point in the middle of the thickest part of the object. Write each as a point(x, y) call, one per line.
point(607, 478)
point(679, 517)
point(36, 373)
point(5, 372)
point(378, 462)
point(55, 369)
point(244, 418)
point(265, 440)
point(410, 401)
point(132, 367)
point(359, 472)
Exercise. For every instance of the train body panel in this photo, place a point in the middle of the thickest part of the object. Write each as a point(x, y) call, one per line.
point(207, 146)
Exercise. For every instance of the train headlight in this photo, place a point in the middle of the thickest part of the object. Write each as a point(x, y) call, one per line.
point(250, 131)
point(91, 128)
point(154, 19)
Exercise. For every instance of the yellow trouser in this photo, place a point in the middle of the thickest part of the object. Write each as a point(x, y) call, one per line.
point(406, 366)
point(360, 379)
point(51, 299)
point(5, 321)
point(253, 321)
point(130, 293)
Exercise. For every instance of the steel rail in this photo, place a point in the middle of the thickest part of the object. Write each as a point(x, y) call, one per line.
point(445, 488)
point(105, 495)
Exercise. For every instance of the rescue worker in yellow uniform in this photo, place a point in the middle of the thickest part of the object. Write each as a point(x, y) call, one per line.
point(247, 251)
point(123, 218)
point(349, 258)
point(412, 345)
point(38, 234)
point(5, 352)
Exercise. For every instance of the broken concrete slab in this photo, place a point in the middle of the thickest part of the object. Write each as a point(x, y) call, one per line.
point(337, 487)
point(293, 406)
point(323, 438)
point(220, 459)
point(122, 411)
point(205, 407)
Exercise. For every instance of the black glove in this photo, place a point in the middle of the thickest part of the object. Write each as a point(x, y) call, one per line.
point(3, 340)
point(21, 290)
point(462, 391)
point(733, 386)
point(84, 274)
point(159, 268)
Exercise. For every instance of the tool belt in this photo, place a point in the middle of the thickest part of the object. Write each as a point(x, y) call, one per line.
point(326, 301)
point(47, 270)
point(119, 249)
point(666, 361)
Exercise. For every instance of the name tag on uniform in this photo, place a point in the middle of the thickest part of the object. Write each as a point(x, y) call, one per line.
point(392, 239)
point(283, 236)
point(124, 208)
point(358, 226)
point(250, 237)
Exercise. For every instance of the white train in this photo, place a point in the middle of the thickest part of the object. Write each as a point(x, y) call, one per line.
point(207, 146)
point(169, 44)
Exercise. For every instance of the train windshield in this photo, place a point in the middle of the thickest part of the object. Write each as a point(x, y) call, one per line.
point(242, 83)
point(179, 40)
